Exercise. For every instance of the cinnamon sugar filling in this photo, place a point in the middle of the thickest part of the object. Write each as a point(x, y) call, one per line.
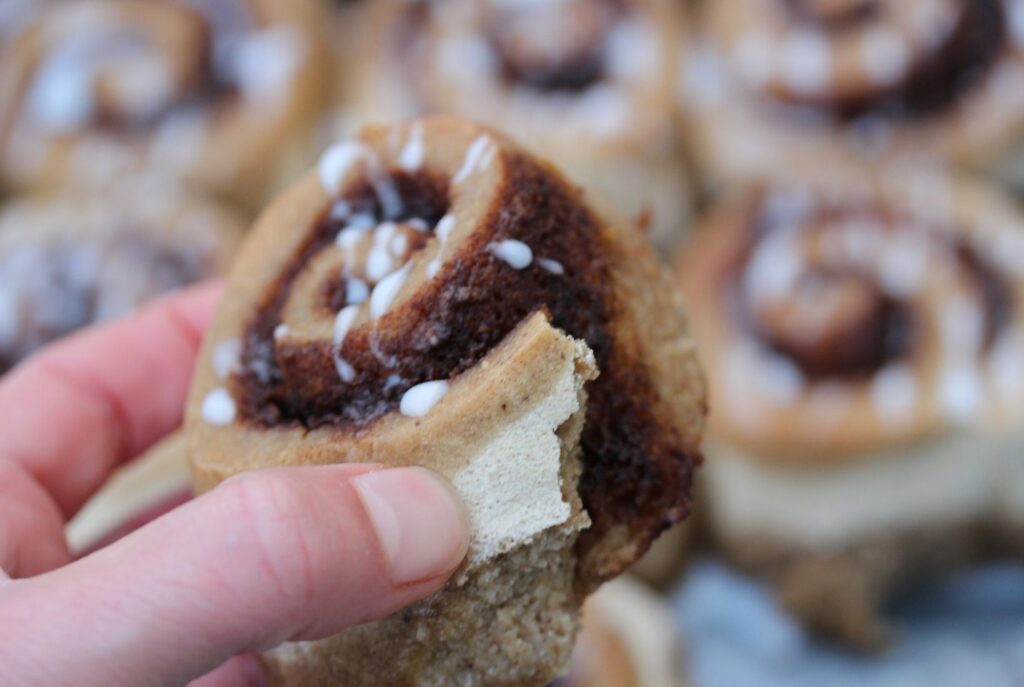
point(838, 322)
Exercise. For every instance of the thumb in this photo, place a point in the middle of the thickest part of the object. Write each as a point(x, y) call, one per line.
point(267, 557)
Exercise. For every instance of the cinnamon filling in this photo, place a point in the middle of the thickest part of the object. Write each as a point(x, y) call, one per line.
point(937, 82)
point(556, 49)
point(838, 322)
point(836, 325)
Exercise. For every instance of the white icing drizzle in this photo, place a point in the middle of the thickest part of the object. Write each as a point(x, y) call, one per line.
point(960, 393)
point(379, 262)
point(893, 393)
point(356, 291)
point(420, 399)
point(226, 357)
point(516, 253)
point(885, 55)
point(219, 407)
point(342, 323)
point(399, 244)
point(552, 266)
point(442, 232)
point(478, 156)
point(385, 291)
point(807, 62)
point(418, 223)
point(282, 330)
point(411, 157)
point(336, 162)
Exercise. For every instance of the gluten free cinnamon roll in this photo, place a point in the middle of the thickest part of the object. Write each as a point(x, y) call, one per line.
point(586, 84)
point(71, 258)
point(434, 295)
point(222, 94)
point(865, 353)
point(841, 81)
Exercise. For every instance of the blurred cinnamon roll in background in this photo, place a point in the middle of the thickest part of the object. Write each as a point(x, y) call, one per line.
point(72, 258)
point(220, 93)
point(865, 354)
point(587, 84)
point(829, 82)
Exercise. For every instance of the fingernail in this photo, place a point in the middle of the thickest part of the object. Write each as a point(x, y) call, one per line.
point(418, 519)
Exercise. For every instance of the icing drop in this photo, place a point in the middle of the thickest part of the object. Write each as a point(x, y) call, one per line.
point(411, 157)
point(385, 291)
point(552, 266)
point(356, 291)
point(335, 163)
point(219, 407)
point(420, 399)
point(444, 229)
point(516, 253)
point(226, 356)
point(478, 156)
point(342, 323)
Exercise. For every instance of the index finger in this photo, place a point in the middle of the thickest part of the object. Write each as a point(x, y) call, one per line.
point(74, 412)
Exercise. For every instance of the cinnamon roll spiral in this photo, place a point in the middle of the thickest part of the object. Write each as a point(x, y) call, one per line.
point(864, 348)
point(841, 81)
point(586, 84)
point(221, 94)
point(394, 307)
point(70, 259)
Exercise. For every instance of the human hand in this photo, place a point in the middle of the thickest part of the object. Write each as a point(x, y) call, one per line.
point(267, 557)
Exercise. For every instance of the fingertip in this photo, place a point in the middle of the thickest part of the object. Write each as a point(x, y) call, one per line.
point(419, 521)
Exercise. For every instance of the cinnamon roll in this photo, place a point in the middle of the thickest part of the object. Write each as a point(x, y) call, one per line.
point(222, 94)
point(587, 84)
point(628, 639)
point(71, 259)
point(844, 81)
point(434, 295)
point(865, 352)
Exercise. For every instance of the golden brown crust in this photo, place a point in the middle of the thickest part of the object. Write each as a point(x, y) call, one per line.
point(223, 95)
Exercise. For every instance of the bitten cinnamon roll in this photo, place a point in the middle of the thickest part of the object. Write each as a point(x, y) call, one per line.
point(222, 94)
point(835, 81)
point(434, 295)
point(71, 259)
point(865, 352)
point(587, 84)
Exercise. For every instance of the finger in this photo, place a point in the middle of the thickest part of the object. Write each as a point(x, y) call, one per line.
point(291, 553)
point(79, 408)
point(31, 526)
point(240, 671)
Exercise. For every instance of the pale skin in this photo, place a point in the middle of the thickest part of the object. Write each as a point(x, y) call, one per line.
point(267, 557)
